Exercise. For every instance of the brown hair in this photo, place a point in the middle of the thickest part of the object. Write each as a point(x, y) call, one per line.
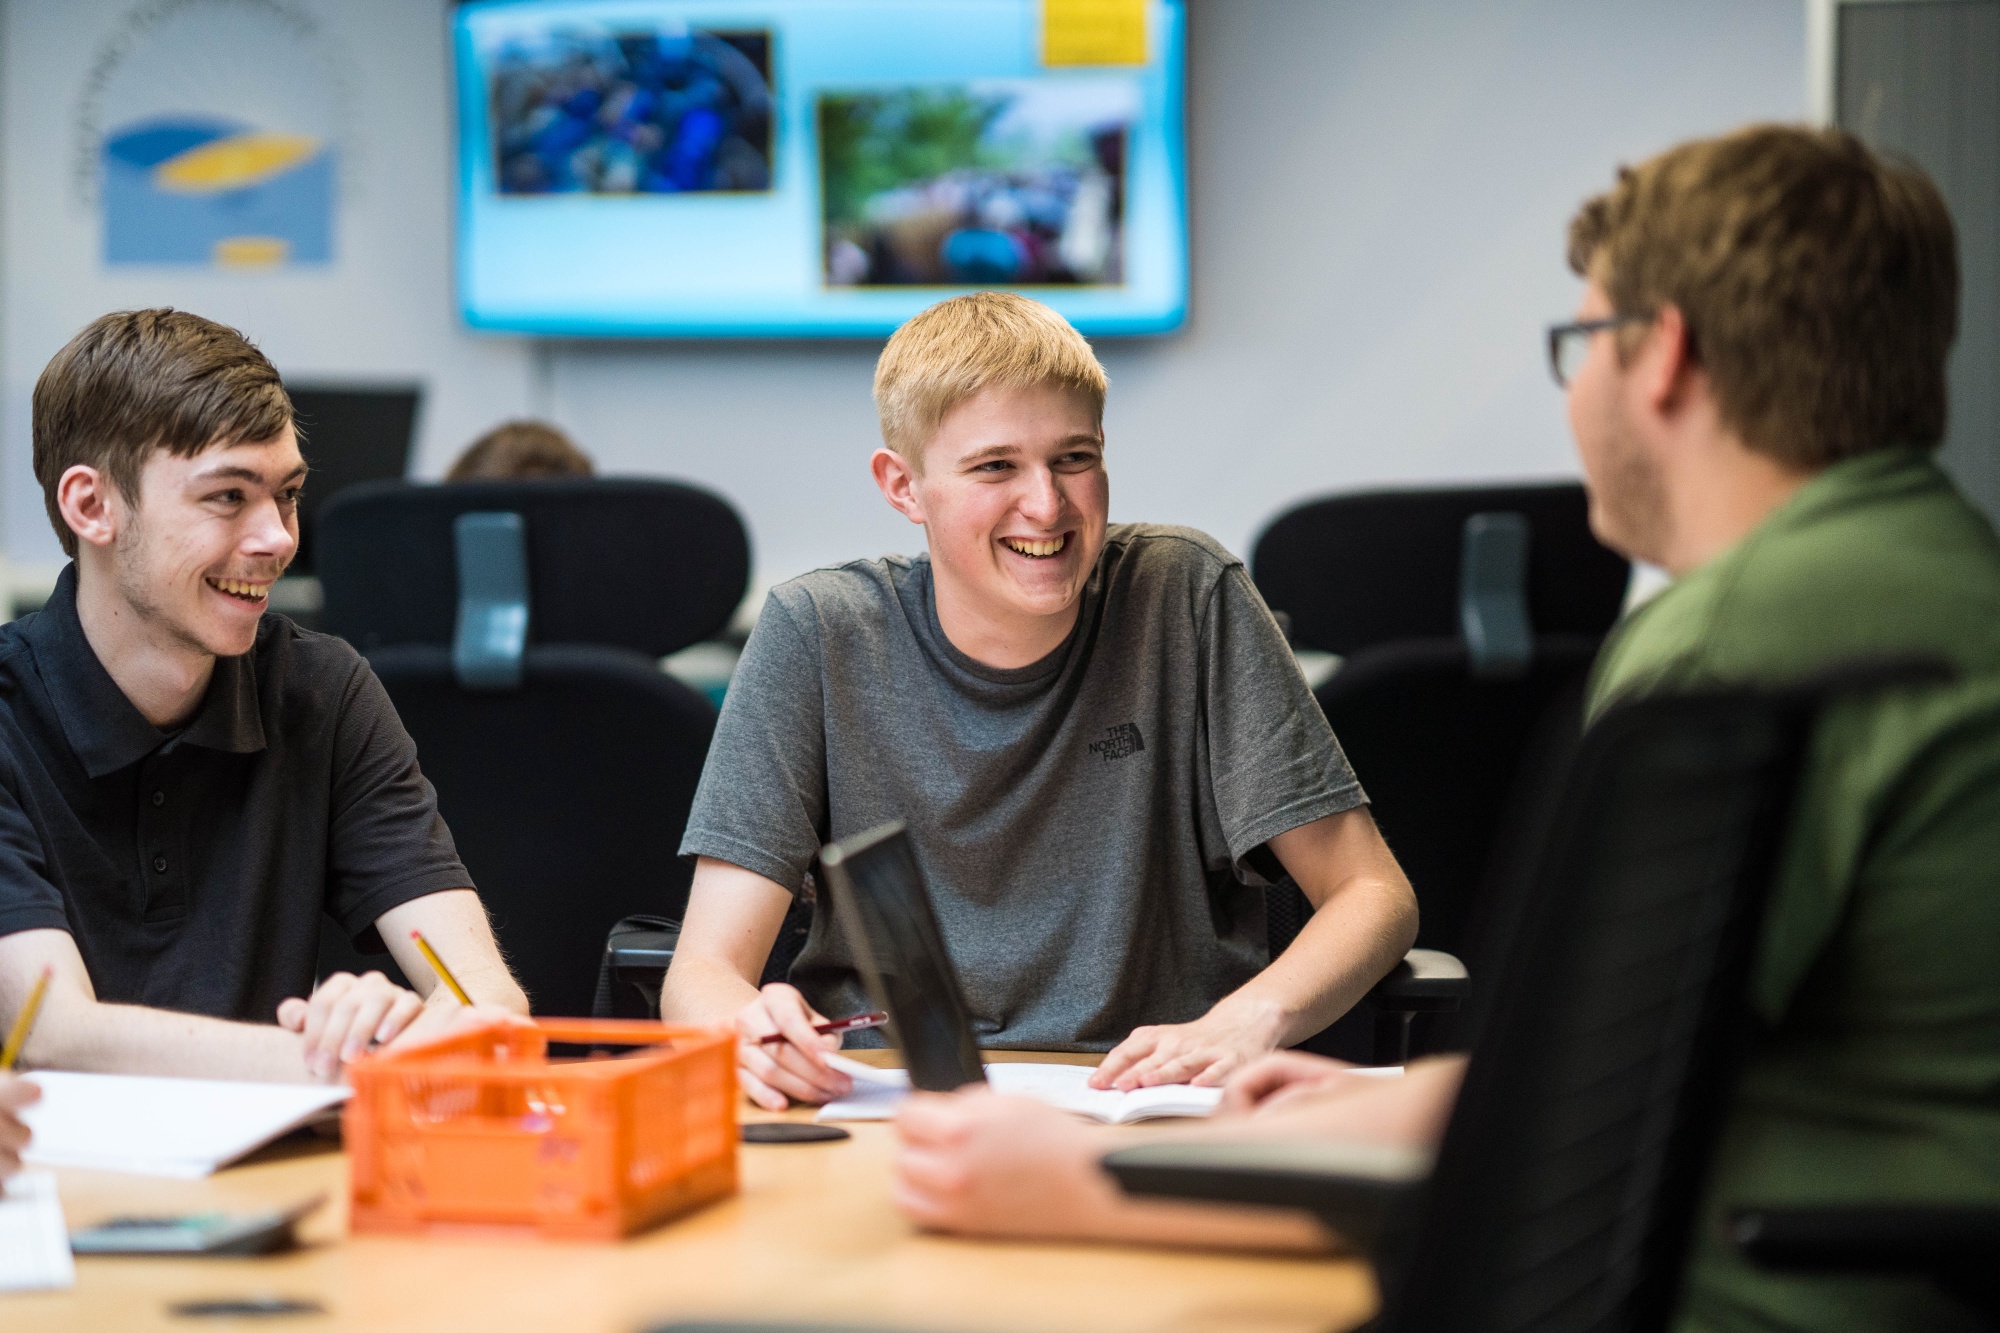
point(1819, 283)
point(520, 451)
point(140, 380)
point(956, 348)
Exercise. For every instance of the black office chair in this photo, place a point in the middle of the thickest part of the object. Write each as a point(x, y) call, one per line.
point(1467, 621)
point(517, 626)
point(1567, 1185)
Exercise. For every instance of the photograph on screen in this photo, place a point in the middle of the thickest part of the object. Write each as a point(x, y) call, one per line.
point(1012, 182)
point(671, 110)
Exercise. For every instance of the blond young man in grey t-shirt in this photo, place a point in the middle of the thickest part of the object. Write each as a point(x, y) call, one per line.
point(1096, 734)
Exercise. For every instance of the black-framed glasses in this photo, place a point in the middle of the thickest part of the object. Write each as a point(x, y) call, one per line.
point(1570, 343)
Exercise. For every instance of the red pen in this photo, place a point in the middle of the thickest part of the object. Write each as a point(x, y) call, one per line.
point(854, 1024)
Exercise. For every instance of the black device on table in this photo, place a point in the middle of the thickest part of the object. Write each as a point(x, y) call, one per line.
point(268, 1231)
point(878, 894)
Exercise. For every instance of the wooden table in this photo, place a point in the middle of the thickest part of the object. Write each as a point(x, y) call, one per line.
point(811, 1237)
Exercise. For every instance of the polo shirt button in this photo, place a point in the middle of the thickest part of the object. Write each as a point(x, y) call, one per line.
point(159, 798)
point(160, 864)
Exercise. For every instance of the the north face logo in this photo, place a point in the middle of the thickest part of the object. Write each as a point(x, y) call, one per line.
point(1118, 742)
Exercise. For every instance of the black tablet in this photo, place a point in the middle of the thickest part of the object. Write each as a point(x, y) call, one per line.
point(878, 894)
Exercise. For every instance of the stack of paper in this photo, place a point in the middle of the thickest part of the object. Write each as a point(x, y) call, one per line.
point(876, 1092)
point(34, 1243)
point(184, 1127)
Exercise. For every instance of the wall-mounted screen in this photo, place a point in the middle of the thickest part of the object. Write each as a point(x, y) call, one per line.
point(799, 168)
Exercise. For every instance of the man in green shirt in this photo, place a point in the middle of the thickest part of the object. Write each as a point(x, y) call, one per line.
point(1756, 378)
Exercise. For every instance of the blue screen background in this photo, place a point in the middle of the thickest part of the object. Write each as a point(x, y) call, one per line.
point(750, 264)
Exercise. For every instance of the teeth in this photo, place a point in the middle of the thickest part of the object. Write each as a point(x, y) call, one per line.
point(236, 587)
point(1041, 548)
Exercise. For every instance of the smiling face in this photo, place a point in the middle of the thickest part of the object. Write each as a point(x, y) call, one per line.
point(194, 559)
point(1013, 496)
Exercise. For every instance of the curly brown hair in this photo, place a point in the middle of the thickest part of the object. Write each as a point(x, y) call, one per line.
point(1818, 280)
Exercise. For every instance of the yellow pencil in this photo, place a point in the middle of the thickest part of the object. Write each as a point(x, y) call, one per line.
point(437, 965)
point(24, 1022)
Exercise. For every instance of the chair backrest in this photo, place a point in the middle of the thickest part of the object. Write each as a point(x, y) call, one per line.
point(1440, 751)
point(1352, 571)
point(1468, 618)
point(566, 797)
point(1568, 1180)
point(566, 763)
point(652, 566)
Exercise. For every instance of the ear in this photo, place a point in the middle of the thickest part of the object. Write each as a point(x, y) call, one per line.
point(1667, 362)
point(88, 501)
point(898, 483)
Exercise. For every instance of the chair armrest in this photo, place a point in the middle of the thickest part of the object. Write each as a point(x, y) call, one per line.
point(1426, 980)
point(1874, 1238)
point(1957, 1248)
point(642, 957)
point(1360, 1191)
point(636, 956)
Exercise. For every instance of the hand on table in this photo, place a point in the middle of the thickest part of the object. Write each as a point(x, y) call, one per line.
point(345, 1015)
point(442, 1015)
point(774, 1074)
point(1205, 1052)
point(979, 1163)
point(349, 1015)
point(1283, 1077)
point(15, 1093)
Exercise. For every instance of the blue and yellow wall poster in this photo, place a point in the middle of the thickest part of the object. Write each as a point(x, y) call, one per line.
point(217, 137)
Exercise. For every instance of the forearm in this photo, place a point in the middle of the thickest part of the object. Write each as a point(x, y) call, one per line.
point(1346, 946)
point(86, 1035)
point(1117, 1216)
point(454, 924)
point(703, 990)
point(1410, 1111)
point(732, 919)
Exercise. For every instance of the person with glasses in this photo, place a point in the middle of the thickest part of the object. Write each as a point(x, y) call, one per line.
point(1756, 384)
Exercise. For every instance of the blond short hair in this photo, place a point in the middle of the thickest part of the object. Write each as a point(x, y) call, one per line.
point(955, 349)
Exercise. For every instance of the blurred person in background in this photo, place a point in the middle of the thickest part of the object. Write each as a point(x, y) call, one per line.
point(521, 451)
point(1756, 380)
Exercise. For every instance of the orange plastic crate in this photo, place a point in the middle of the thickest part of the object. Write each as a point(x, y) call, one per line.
point(483, 1129)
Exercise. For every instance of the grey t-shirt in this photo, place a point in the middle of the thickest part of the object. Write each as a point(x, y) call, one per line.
point(1085, 825)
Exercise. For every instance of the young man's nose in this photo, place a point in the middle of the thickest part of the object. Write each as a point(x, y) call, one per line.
point(1042, 500)
point(270, 537)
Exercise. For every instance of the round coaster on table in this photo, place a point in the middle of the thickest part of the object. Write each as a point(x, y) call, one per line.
point(791, 1131)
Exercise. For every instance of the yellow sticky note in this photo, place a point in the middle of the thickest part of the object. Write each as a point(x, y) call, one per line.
point(1093, 32)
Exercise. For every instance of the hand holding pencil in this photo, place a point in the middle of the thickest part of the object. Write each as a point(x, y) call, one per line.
point(17, 1093)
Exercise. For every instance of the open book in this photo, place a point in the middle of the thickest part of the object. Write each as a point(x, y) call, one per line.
point(185, 1127)
point(876, 1092)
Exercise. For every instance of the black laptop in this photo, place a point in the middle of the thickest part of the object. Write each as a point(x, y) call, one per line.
point(879, 897)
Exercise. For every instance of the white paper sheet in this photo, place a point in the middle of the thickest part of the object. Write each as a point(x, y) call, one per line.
point(877, 1091)
point(34, 1242)
point(181, 1127)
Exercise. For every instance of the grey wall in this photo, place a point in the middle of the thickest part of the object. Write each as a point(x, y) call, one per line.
point(1379, 193)
point(1923, 79)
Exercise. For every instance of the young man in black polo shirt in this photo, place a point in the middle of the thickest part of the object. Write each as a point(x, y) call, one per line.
point(187, 783)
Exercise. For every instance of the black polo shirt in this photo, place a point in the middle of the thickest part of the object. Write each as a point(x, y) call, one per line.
point(193, 869)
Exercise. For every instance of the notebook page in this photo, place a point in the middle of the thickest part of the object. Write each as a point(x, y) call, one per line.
point(34, 1242)
point(181, 1127)
point(877, 1092)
